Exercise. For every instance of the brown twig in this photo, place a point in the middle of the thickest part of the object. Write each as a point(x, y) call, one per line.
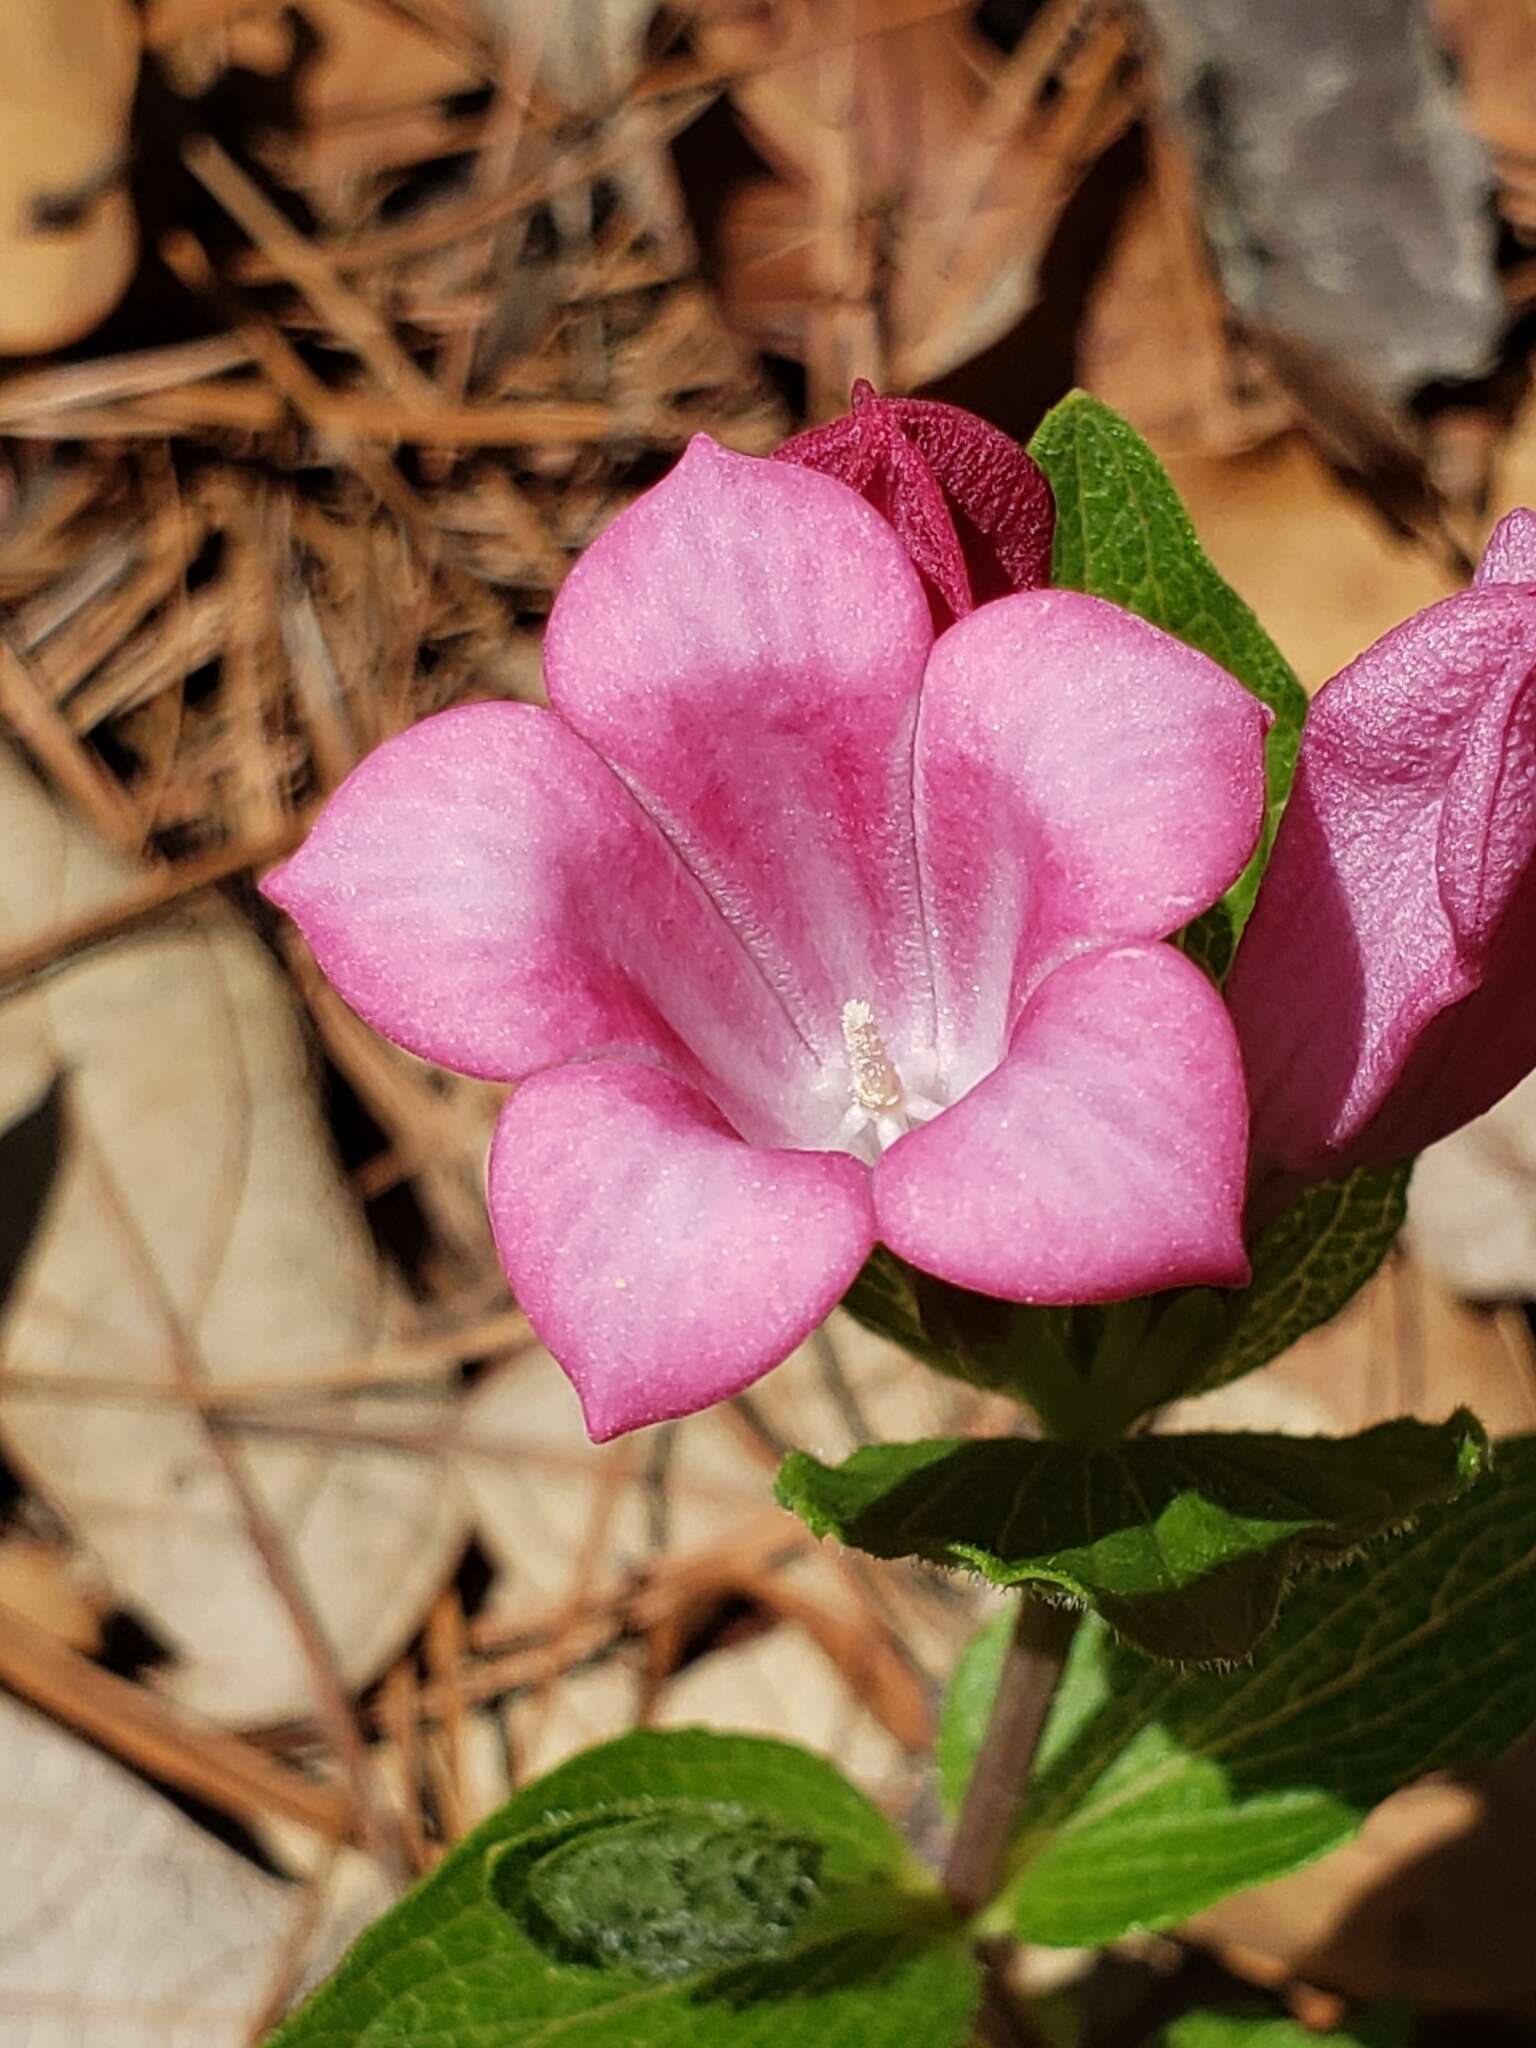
point(27, 708)
point(377, 1828)
point(161, 890)
point(130, 1722)
point(427, 1359)
point(813, 39)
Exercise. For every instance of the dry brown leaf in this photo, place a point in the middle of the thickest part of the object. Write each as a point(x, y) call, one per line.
point(1154, 344)
point(193, 42)
point(881, 144)
point(124, 1925)
point(372, 60)
point(36, 1581)
point(1430, 1905)
point(1493, 46)
point(1322, 571)
point(1514, 481)
point(913, 93)
point(68, 236)
point(199, 1231)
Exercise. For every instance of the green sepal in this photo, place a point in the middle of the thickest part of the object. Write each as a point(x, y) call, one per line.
point(1089, 1373)
point(1308, 1265)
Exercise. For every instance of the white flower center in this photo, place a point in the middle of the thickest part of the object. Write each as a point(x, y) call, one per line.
point(883, 1109)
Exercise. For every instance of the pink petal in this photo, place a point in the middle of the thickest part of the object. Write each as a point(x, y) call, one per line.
point(1510, 556)
point(666, 1264)
point(1385, 990)
point(746, 645)
point(972, 506)
point(1104, 1158)
point(485, 892)
point(1081, 777)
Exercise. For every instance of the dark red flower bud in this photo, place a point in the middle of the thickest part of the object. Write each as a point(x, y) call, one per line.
point(972, 508)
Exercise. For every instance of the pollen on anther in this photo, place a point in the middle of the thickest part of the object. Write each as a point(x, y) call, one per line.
point(876, 1083)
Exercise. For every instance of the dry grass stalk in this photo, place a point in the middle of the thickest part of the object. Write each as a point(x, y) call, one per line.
point(143, 1731)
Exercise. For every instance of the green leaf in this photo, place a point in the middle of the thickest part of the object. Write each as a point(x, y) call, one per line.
point(1308, 1264)
point(1122, 533)
point(1383, 2028)
point(1183, 1544)
point(686, 1890)
point(1231, 2030)
point(1159, 1791)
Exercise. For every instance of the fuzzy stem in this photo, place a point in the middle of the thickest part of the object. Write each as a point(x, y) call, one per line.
point(1031, 1672)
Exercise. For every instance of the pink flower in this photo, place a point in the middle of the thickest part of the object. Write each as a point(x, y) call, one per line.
point(1385, 990)
point(800, 929)
point(973, 508)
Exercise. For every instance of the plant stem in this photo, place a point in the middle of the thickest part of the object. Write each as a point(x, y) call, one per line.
point(1031, 1672)
point(1002, 2021)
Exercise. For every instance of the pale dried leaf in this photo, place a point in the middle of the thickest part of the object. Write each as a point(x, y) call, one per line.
point(199, 1232)
point(1404, 1346)
point(782, 1683)
point(68, 234)
point(549, 1506)
point(1472, 1203)
point(123, 1923)
point(561, 1516)
point(591, 1704)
